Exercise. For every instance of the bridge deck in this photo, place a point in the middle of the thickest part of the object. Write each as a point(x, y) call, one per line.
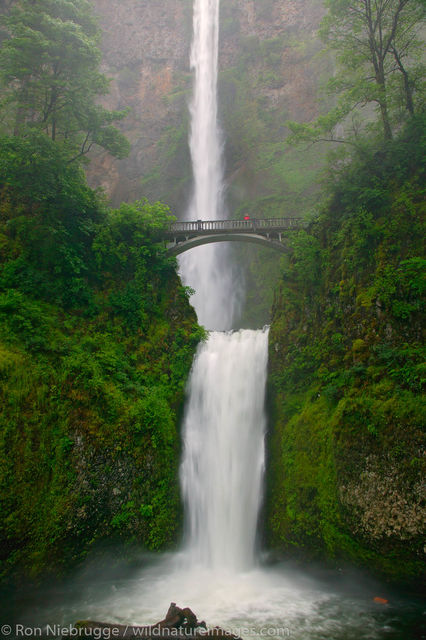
point(254, 225)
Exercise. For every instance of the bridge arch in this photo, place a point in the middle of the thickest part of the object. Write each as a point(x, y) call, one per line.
point(197, 241)
point(186, 235)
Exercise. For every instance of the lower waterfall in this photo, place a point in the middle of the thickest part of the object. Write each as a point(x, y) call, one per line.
point(223, 460)
point(218, 573)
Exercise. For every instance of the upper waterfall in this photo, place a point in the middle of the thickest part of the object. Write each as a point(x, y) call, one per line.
point(206, 268)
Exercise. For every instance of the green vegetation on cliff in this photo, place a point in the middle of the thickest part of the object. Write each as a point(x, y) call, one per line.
point(379, 62)
point(96, 341)
point(96, 332)
point(347, 368)
point(50, 79)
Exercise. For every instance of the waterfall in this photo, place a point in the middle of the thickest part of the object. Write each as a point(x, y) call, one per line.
point(222, 465)
point(221, 471)
point(222, 468)
point(206, 269)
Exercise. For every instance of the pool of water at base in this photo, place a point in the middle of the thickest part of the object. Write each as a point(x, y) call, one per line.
point(269, 601)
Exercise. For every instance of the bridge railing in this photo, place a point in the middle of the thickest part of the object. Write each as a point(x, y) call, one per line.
point(252, 224)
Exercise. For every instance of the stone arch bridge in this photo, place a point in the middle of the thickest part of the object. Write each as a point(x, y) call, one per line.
point(269, 232)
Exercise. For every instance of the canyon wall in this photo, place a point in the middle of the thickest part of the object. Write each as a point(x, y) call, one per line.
point(269, 45)
point(270, 72)
point(145, 47)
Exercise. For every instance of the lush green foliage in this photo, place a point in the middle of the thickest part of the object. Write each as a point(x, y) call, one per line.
point(50, 79)
point(48, 216)
point(378, 47)
point(347, 367)
point(96, 332)
point(96, 341)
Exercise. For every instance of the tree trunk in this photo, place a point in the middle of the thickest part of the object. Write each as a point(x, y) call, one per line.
point(407, 89)
point(383, 103)
point(385, 119)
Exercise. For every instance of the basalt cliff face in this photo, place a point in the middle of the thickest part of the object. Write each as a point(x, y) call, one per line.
point(145, 46)
point(267, 74)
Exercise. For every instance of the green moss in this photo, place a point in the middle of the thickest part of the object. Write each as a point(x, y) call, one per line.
point(92, 378)
point(88, 432)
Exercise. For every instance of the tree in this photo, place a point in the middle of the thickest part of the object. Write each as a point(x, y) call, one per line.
point(48, 219)
point(50, 78)
point(377, 43)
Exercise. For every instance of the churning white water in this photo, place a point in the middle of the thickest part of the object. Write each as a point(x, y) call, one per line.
point(224, 428)
point(206, 269)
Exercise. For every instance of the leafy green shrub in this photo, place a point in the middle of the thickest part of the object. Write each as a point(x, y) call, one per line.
point(23, 321)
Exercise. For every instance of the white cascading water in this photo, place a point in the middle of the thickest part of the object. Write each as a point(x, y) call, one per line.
point(224, 428)
point(206, 269)
point(221, 472)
